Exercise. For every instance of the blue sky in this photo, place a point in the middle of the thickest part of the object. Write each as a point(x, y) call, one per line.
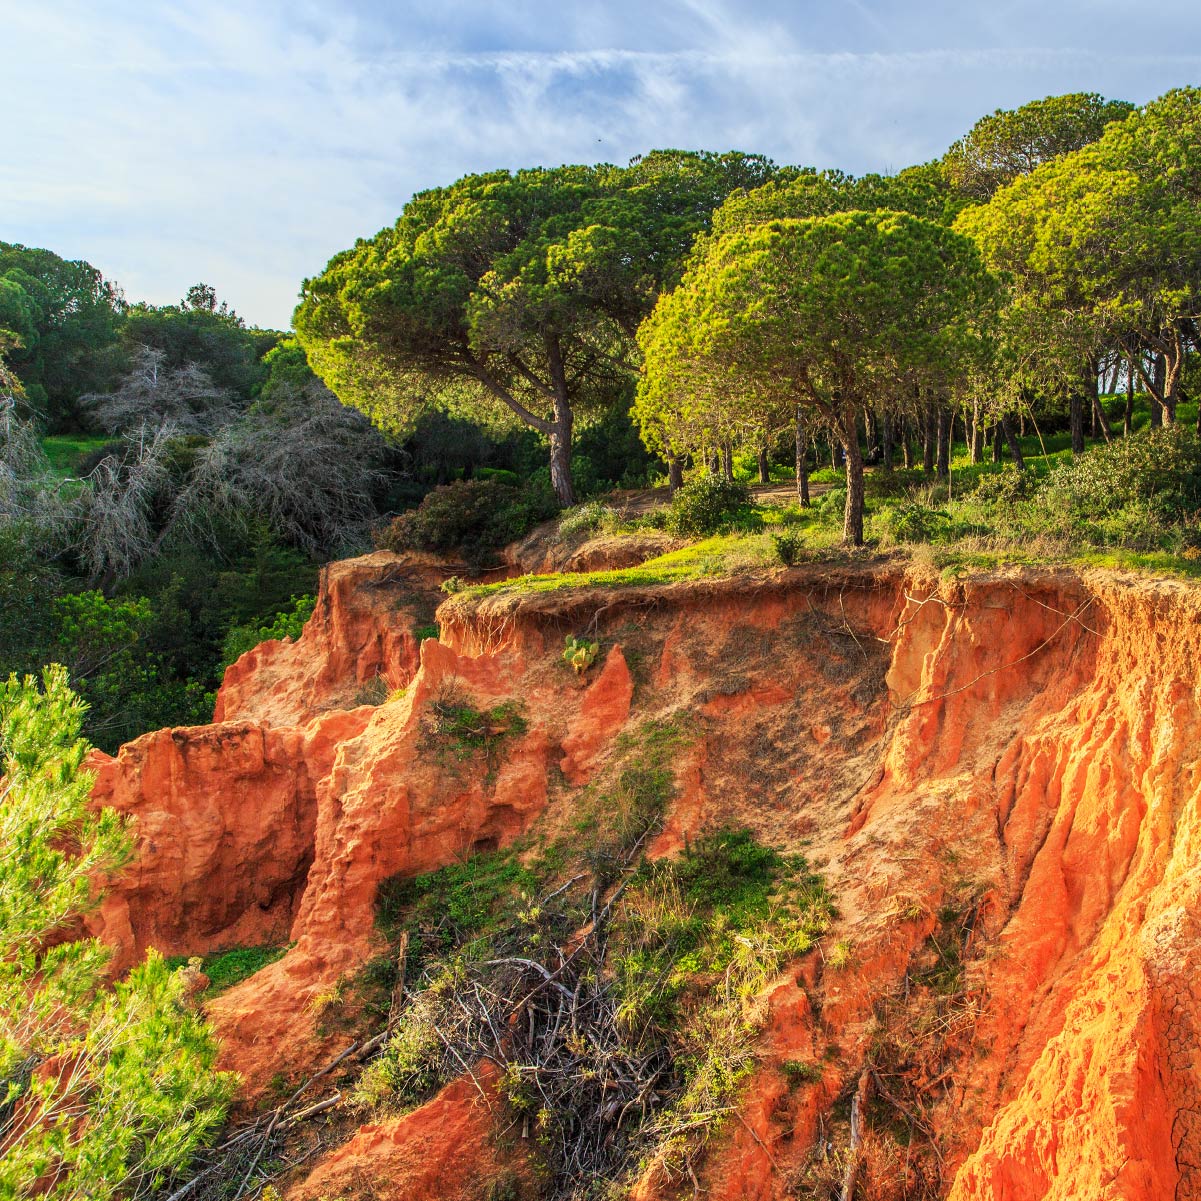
point(242, 142)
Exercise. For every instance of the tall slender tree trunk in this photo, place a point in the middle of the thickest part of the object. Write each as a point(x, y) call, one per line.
point(675, 474)
point(886, 448)
point(560, 432)
point(1076, 415)
point(852, 521)
point(906, 444)
point(929, 440)
point(871, 434)
point(998, 440)
point(1157, 413)
point(976, 430)
point(714, 464)
point(1128, 416)
point(764, 466)
point(560, 456)
point(1100, 421)
point(1011, 440)
point(943, 431)
point(727, 461)
point(802, 460)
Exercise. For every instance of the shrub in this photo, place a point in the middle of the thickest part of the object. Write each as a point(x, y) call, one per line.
point(790, 547)
point(1159, 467)
point(469, 516)
point(587, 517)
point(912, 522)
point(705, 505)
point(1006, 487)
point(141, 1095)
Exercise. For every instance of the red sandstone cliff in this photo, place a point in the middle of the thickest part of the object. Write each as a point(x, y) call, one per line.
point(1026, 744)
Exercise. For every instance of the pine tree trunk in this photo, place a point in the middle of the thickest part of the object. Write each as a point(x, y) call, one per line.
point(675, 474)
point(764, 466)
point(906, 444)
point(1156, 408)
point(1011, 440)
point(727, 462)
point(998, 440)
point(943, 430)
point(852, 522)
point(802, 460)
point(1128, 416)
point(560, 459)
point(929, 440)
point(886, 449)
point(1076, 414)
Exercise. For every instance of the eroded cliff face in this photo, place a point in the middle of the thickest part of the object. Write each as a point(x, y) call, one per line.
point(1011, 762)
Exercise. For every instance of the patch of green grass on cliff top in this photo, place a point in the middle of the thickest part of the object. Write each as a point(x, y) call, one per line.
point(227, 968)
point(719, 555)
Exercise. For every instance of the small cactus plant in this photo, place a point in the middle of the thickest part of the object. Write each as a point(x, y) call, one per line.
point(580, 654)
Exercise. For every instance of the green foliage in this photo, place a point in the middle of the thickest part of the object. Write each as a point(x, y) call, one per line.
point(227, 968)
point(454, 720)
point(914, 522)
point(820, 312)
point(66, 315)
point(501, 289)
point(105, 644)
point(790, 547)
point(288, 623)
point(1161, 468)
point(580, 654)
point(706, 505)
point(589, 518)
point(1007, 144)
point(421, 633)
point(141, 1095)
point(472, 517)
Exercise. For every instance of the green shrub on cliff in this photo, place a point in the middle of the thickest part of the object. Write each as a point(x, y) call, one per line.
point(103, 1093)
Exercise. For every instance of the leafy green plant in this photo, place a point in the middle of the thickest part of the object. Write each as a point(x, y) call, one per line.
point(705, 506)
point(224, 969)
point(914, 522)
point(141, 1095)
point(580, 654)
point(586, 518)
point(287, 623)
point(790, 547)
point(472, 517)
point(421, 633)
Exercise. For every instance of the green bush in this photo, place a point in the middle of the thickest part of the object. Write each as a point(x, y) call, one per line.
point(471, 517)
point(289, 623)
point(913, 522)
point(141, 1095)
point(1005, 487)
point(706, 505)
point(1161, 468)
point(790, 547)
point(586, 518)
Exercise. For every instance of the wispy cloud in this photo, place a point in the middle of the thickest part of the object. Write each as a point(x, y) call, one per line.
point(244, 144)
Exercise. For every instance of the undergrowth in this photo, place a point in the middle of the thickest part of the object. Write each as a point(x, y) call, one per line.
point(617, 997)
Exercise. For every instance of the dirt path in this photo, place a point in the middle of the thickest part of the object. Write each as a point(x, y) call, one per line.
point(634, 502)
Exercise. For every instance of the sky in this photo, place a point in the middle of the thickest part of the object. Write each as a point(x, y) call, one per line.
point(244, 142)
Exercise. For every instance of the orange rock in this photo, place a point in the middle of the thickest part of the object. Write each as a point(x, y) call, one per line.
point(605, 709)
point(1030, 741)
point(444, 1150)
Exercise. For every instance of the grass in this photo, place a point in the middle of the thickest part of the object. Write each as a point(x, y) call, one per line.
point(65, 451)
point(709, 557)
point(227, 968)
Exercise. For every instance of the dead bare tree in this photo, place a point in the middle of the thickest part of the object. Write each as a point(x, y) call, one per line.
point(306, 465)
point(153, 394)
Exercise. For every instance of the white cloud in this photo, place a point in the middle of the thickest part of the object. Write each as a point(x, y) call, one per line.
point(244, 144)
